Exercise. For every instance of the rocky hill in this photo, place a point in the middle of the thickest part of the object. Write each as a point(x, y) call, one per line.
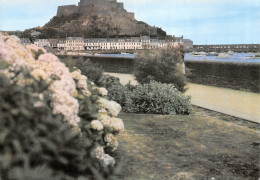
point(97, 18)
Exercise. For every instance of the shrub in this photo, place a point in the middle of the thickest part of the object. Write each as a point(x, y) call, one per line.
point(70, 127)
point(70, 63)
point(151, 98)
point(93, 71)
point(108, 81)
point(158, 98)
point(163, 66)
point(35, 140)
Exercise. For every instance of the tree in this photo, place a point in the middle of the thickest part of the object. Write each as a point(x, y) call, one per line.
point(163, 66)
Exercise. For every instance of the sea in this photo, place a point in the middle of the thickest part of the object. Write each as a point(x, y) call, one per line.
point(236, 57)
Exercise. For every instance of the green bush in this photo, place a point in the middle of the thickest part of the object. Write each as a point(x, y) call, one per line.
point(93, 71)
point(151, 98)
point(161, 66)
point(70, 63)
point(34, 143)
point(108, 81)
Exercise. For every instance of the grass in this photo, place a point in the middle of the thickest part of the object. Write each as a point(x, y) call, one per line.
point(188, 147)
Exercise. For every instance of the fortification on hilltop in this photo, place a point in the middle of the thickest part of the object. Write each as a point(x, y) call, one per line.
point(100, 18)
point(100, 7)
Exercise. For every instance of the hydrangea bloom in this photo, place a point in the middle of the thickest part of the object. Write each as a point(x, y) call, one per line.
point(111, 141)
point(104, 159)
point(115, 124)
point(102, 91)
point(112, 107)
point(97, 125)
point(81, 82)
point(63, 86)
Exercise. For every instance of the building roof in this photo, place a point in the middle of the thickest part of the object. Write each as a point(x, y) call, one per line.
point(187, 40)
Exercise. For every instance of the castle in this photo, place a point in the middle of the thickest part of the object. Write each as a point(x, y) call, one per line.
point(112, 11)
point(100, 7)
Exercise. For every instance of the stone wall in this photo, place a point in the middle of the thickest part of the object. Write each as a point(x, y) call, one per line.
point(131, 15)
point(101, 7)
point(67, 10)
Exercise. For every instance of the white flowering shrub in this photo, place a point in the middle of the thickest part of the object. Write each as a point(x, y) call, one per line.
point(80, 102)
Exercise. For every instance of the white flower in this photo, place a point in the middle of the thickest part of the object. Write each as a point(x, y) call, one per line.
point(104, 159)
point(38, 104)
point(40, 74)
point(97, 125)
point(113, 107)
point(102, 91)
point(111, 141)
point(48, 58)
point(81, 82)
point(98, 152)
point(107, 161)
point(117, 124)
point(112, 123)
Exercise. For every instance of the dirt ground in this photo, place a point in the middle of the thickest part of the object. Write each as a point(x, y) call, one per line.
point(199, 146)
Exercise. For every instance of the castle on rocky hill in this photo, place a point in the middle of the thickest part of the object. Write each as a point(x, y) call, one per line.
point(106, 16)
point(101, 7)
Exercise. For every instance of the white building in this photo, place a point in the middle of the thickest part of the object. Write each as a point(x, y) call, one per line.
point(113, 44)
point(61, 45)
point(42, 43)
point(74, 44)
point(131, 43)
point(25, 41)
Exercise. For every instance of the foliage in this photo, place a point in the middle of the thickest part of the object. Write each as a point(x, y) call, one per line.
point(158, 98)
point(163, 66)
point(93, 71)
point(69, 62)
point(108, 81)
point(33, 138)
point(65, 124)
point(151, 98)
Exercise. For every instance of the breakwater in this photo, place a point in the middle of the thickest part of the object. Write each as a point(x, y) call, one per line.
point(109, 63)
point(235, 75)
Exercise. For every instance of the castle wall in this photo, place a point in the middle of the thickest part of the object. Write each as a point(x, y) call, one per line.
point(101, 7)
point(120, 5)
point(131, 15)
point(67, 10)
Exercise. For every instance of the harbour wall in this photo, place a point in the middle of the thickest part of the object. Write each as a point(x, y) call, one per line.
point(235, 75)
point(227, 47)
point(109, 64)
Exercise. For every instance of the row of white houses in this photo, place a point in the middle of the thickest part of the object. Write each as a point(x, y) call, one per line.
point(81, 44)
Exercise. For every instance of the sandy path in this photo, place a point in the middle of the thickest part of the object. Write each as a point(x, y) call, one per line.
point(245, 105)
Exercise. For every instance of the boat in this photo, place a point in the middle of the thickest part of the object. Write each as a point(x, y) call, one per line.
point(230, 52)
point(198, 54)
point(257, 55)
point(212, 54)
point(124, 53)
point(223, 56)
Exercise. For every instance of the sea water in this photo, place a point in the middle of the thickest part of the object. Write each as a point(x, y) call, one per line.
point(236, 57)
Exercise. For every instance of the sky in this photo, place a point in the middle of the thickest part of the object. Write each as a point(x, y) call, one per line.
point(203, 21)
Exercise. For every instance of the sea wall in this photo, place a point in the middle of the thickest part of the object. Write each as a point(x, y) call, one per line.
point(110, 64)
point(235, 75)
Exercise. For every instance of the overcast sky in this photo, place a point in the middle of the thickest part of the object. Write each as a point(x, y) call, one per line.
point(203, 21)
